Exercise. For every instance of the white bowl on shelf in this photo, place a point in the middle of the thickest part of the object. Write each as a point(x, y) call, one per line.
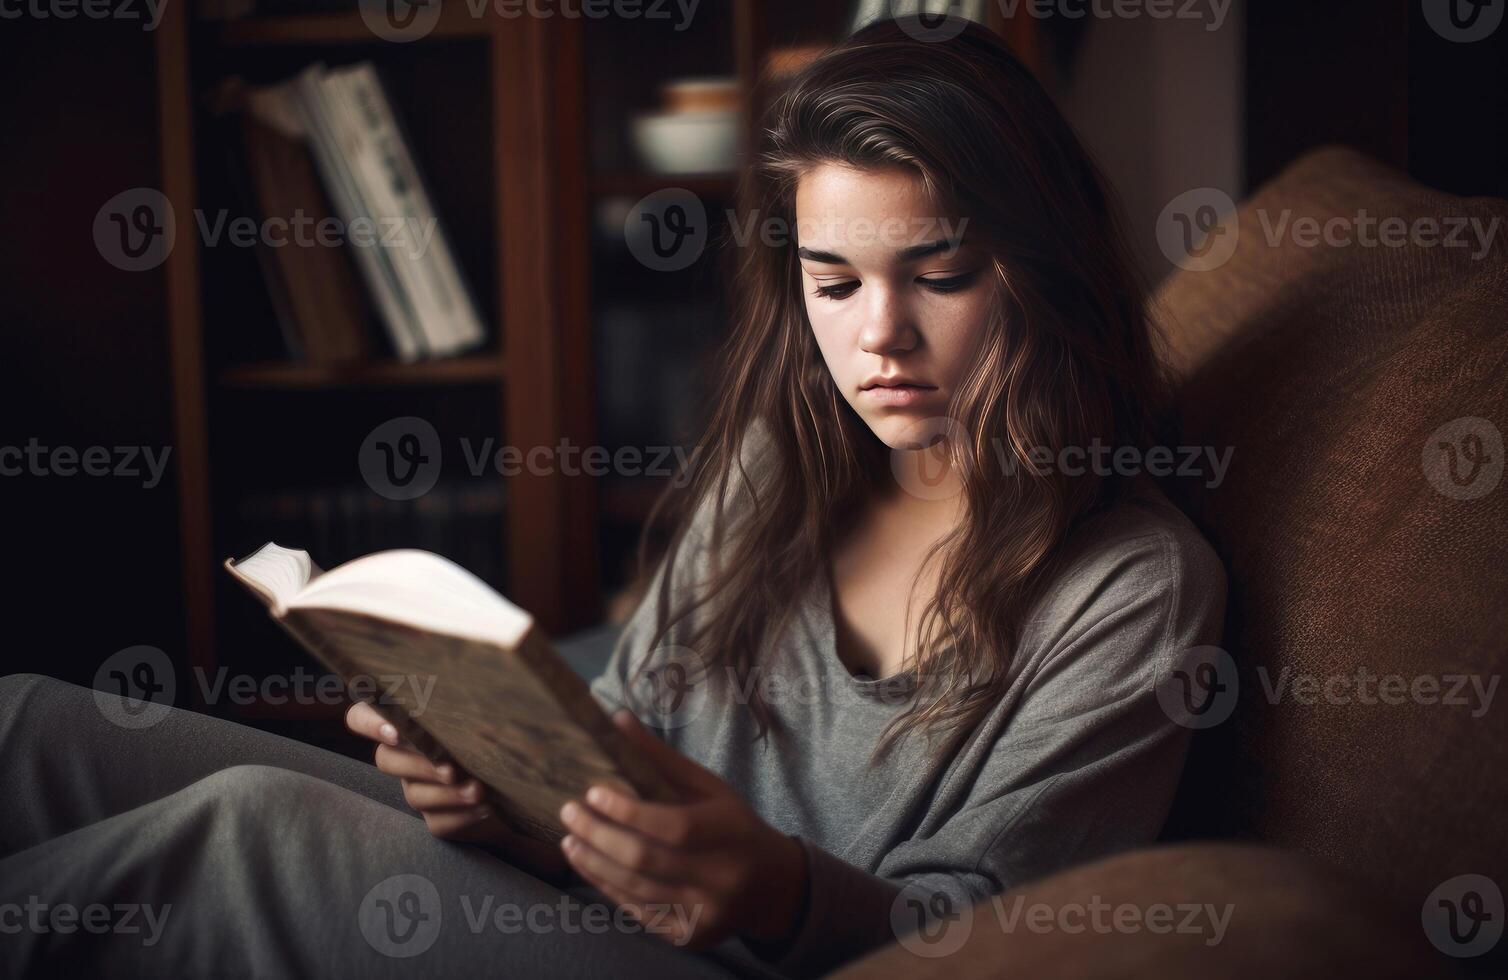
point(688, 142)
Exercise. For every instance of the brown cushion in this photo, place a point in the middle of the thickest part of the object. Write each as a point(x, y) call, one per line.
point(1328, 369)
point(1237, 912)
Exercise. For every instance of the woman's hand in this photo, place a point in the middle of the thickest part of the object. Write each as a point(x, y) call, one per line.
point(710, 860)
point(450, 802)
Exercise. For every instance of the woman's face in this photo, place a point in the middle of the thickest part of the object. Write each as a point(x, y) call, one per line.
point(897, 298)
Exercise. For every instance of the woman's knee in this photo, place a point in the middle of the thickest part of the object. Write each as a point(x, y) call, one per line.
point(30, 701)
point(14, 686)
point(251, 783)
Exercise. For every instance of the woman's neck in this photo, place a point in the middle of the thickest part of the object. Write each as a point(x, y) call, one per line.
point(923, 481)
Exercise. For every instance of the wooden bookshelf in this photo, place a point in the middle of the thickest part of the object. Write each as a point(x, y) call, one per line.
point(474, 369)
point(346, 28)
point(541, 344)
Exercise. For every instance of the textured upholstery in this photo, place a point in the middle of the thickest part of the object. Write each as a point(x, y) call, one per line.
point(1282, 917)
point(1328, 368)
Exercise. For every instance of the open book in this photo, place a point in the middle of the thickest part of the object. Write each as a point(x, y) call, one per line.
point(481, 686)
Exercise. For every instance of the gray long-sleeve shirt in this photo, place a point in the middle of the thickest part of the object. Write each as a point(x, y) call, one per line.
point(1077, 760)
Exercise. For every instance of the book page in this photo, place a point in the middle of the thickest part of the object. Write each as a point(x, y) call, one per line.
point(421, 590)
point(275, 573)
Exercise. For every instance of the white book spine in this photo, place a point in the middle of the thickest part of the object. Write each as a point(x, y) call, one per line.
point(443, 272)
point(345, 196)
point(396, 228)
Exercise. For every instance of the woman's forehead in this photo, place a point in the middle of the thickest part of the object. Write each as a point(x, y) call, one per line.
point(842, 209)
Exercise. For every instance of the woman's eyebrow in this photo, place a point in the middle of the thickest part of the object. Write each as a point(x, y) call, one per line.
point(908, 254)
point(816, 255)
point(925, 249)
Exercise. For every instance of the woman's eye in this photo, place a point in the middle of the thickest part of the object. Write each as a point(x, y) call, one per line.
point(840, 290)
point(949, 284)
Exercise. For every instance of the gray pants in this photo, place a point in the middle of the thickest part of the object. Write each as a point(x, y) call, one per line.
point(198, 847)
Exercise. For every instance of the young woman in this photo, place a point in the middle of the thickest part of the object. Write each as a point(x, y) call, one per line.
point(900, 654)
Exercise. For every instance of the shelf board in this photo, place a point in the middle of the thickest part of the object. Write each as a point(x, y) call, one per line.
point(640, 184)
point(472, 369)
point(345, 27)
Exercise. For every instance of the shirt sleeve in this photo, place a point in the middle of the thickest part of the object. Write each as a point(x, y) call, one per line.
point(1084, 764)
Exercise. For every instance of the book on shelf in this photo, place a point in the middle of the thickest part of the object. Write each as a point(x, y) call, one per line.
point(494, 697)
point(319, 304)
point(328, 142)
point(376, 264)
point(389, 167)
point(389, 192)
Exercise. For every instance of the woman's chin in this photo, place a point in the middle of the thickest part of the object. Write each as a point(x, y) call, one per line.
point(909, 431)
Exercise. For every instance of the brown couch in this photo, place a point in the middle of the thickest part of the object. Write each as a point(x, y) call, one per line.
point(1335, 828)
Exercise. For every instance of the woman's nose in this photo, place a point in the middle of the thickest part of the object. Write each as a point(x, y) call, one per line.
point(888, 325)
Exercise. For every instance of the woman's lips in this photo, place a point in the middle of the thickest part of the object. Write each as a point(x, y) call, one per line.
point(897, 396)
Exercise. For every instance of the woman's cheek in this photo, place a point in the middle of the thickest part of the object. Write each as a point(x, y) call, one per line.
point(827, 331)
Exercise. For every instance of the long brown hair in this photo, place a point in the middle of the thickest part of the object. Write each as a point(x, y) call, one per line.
point(1067, 360)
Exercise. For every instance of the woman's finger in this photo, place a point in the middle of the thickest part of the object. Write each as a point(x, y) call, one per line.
point(628, 848)
point(602, 870)
point(408, 764)
point(364, 720)
point(672, 824)
point(425, 795)
point(454, 824)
